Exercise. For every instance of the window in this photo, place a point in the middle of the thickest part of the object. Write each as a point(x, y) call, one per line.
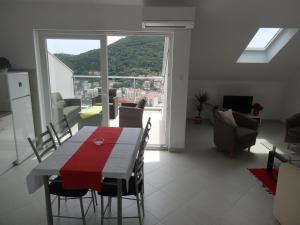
point(263, 38)
point(266, 44)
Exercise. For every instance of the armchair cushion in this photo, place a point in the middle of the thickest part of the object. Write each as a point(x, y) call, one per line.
point(71, 111)
point(227, 117)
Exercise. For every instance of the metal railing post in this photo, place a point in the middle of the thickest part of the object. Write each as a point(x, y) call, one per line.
point(134, 89)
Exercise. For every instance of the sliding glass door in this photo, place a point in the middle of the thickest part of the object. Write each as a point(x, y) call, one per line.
point(76, 84)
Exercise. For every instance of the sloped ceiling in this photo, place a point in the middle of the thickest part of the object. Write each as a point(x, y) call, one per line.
point(224, 28)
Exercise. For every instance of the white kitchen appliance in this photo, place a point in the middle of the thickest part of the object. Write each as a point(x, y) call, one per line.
point(8, 154)
point(15, 97)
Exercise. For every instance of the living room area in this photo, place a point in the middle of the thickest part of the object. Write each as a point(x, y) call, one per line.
point(194, 179)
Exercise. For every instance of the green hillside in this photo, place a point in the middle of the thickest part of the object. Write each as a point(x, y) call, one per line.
point(130, 56)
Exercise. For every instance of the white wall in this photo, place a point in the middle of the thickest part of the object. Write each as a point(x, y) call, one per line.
point(291, 103)
point(181, 54)
point(269, 94)
point(18, 20)
point(61, 77)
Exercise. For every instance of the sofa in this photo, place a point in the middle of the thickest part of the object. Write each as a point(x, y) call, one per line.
point(287, 199)
point(233, 138)
point(113, 102)
point(292, 133)
point(68, 107)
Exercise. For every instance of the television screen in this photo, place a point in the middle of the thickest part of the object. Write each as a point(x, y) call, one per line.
point(242, 104)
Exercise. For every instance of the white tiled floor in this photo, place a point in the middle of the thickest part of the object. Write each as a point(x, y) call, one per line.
point(200, 186)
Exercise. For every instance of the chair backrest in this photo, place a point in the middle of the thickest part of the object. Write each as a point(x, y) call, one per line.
point(130, 117)
point(61, 130)
point(145, 137)
point(42, 144)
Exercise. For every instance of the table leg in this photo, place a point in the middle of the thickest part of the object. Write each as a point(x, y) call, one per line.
point(270, 163)
point(119, 182)
point(48, 201)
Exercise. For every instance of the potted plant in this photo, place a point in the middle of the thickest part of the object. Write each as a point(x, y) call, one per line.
point(256, 109)
point(4, 64)
point(200, 100)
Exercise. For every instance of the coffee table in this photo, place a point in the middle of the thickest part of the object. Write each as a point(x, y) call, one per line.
point(282, 154)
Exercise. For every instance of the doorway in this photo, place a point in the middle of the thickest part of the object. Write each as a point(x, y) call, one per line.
point(109, 65)
point(137, 69)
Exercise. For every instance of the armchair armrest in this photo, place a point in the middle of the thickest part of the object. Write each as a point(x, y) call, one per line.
point(245, 121)
point(72, 101)
point(293, 121)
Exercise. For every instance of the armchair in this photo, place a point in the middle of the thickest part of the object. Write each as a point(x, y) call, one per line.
point(292, 134)
point(232, 138)
point(131, 114)
point(113, 102)
point(68, 107)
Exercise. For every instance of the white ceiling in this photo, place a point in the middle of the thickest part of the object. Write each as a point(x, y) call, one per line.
point(105, 2)
point(223, 30)
point(117, 2)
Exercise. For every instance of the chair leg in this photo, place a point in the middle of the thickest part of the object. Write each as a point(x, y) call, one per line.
point(102, 212)
point(143, 205)
point(58, 205)
point(95, 197)
point(109, 204)
point(93, 200)
point(138, 208)
point(82, 211)
point(249, 149)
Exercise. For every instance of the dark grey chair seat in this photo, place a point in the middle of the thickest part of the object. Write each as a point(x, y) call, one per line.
point(56, 188)
point(111, 190)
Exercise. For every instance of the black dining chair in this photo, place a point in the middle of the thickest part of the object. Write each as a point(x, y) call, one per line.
point(61, 130)
point(43, 144)
point(135, 184)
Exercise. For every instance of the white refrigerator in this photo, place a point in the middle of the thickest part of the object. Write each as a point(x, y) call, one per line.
point(17, 99)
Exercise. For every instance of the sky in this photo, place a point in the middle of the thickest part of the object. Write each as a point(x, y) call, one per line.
point(75, 47)
point(263, 37)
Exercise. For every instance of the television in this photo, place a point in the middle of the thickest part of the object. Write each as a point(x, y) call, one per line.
point(242, 104)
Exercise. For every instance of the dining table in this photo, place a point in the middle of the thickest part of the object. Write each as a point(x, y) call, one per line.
point(119, 162)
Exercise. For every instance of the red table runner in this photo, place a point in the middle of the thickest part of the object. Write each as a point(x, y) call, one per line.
point(84, 168)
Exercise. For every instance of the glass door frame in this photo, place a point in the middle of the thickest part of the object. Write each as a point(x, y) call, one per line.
point(43, 71)
point(40, 36)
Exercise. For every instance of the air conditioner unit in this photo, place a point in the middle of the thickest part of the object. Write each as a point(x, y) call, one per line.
point(187, 24)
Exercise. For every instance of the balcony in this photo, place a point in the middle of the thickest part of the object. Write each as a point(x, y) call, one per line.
point(129, 89)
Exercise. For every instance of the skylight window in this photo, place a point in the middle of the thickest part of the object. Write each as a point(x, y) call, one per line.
point(263, 38)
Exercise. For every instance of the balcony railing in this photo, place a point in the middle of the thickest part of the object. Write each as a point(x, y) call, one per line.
point(129, 88)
